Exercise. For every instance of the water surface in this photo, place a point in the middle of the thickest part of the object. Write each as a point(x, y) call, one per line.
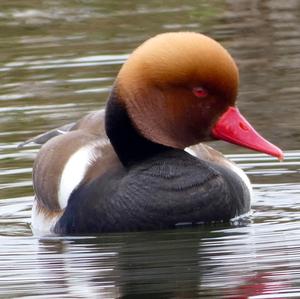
point(58, 60)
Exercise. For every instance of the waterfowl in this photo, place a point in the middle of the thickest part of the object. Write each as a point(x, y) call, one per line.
point(140, 164)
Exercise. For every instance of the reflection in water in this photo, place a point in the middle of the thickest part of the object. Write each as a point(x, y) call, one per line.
point(58, 61)
point(172, 264)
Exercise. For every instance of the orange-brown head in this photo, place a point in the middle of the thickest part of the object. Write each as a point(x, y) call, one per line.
point(176, 86)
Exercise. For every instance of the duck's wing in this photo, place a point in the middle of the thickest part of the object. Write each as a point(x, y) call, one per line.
point(78, 156)
point(92, 123)
point(44, 137)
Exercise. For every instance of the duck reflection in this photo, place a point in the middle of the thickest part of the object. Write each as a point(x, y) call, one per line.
point(182, 263)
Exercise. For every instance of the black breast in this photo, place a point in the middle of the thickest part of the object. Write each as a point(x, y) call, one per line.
point(160, 192)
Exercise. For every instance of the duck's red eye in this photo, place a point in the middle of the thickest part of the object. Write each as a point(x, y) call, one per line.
point(200, 92)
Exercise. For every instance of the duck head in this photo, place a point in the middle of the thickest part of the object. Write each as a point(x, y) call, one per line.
point(180, 89)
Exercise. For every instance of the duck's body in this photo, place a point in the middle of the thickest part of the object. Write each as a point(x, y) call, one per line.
point(91, 191)
point(128, 170)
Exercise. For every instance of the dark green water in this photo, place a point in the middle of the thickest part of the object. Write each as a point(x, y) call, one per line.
point(58, 60)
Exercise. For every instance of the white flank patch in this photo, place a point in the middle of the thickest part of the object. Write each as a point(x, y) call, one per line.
point(74, 171)
point(42, 225)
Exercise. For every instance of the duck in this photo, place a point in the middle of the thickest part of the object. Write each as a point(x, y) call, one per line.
point(141, 164)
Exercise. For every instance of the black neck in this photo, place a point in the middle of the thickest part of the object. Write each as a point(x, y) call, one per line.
point(129, 145)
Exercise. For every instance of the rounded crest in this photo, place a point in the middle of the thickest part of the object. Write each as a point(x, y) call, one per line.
point(158, 82)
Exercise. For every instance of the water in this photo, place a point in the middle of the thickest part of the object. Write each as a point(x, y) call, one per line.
point(58, 60)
